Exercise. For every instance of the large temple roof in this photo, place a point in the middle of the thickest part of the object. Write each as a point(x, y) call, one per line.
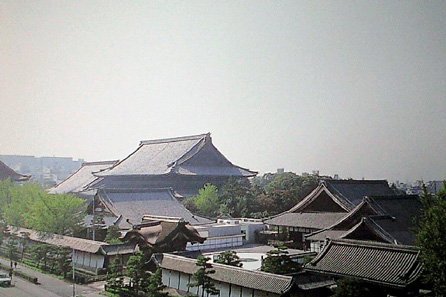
point(77, 182)
point(190, 155)
point(6, 172)
point(133, 205)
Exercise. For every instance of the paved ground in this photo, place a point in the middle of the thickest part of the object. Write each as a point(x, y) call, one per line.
point(49, 286)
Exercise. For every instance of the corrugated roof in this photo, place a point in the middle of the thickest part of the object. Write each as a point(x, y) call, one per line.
point(175, 155)
point(386, 264)
point(135, 204)
point(6, 172)
point(77, 182)
point(79, 244)
point(313, 220)
point(258, 280)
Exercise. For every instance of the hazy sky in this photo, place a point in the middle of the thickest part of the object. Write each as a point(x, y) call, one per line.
point(355, 88)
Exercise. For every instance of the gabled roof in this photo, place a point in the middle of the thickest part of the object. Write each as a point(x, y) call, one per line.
point(77, 182)
point(6, 172)
point(313, 220)
point(390, 265)
point(392, 221)
point(258, 280)
point(346, 193)
point(190, 155)
point(133, 205)
point(79, 244)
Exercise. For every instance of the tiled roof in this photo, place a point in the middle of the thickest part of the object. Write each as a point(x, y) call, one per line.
point(386, 264)
point(346, 193)
point(392, 220)
point(76, 243)
point(352, 191)
point(6, 172)
point(77, 182)
point(313, 220)
point(177, 155)
point(258, 280)
point(135, 204)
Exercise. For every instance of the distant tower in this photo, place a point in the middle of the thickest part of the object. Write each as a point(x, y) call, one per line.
point(280, 170)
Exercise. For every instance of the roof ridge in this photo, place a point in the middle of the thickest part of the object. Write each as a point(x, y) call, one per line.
point(99, 163)
point(374, 244)
point(229, 267)
point(356, 181)
point(174, 139)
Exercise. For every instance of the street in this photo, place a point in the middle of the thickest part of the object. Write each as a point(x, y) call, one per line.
point(48, 287)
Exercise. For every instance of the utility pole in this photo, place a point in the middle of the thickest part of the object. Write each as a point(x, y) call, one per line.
point(74, 271)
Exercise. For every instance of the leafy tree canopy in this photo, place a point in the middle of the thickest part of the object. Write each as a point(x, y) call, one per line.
point(229, 258)
point(279, 262)
point(31, 207)
point(431, 238)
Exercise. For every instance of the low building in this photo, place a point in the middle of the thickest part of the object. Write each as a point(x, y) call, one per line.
point(88, 254)
point(231, 281)
point(394, 268)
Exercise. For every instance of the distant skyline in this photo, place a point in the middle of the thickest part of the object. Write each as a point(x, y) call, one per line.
point(355, 88)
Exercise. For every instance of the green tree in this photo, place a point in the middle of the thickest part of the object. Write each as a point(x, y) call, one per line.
point(40, 253)
point(114, 280)
point(431, 238)
point(57, 213)
point(229, 258)
point(63, 259)
point(11, 247)
point(285, 191)
point(156, 286)
point(139, 276)
point(207, 202)
point(31, 207)
point(202, 279)
point(24, 241)
point(350, 287)
point(236, 199)
point(279, 262)
point(113, 235)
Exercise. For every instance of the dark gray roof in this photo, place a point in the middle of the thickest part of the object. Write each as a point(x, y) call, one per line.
point(190, 155)
point(386, 264)
point(346, 193)
point(77, 182)
point(312, 220)
point(6, 172)
point(352, 191)
point(393, 220)
point(134, 204)
point(258, 280)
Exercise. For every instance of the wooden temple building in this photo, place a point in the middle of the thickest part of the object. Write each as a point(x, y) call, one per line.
point(331, 202)
point(386, 219)
point(152, 180)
